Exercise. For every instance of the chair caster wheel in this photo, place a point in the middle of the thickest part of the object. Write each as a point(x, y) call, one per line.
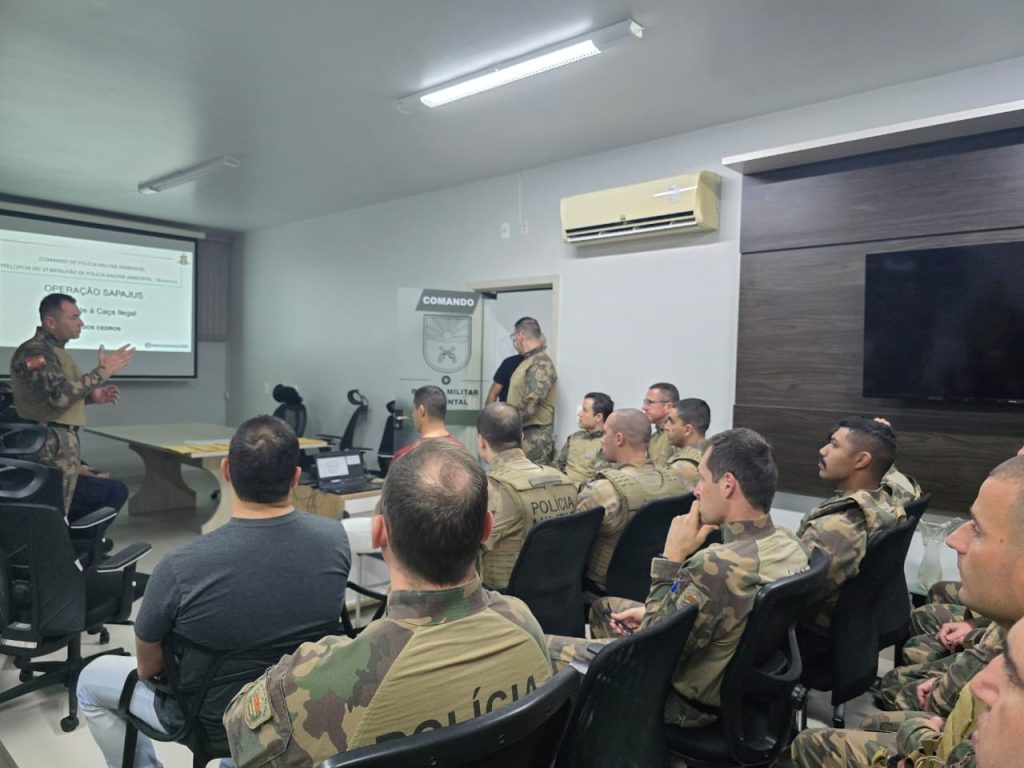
point(69, 723)
point(104, 636)
point(25, 675)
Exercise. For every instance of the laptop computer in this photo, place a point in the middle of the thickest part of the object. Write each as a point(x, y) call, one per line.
point(342, 472)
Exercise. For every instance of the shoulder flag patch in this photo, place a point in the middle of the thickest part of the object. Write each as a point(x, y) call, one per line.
point(257, 705)
point(36, 361)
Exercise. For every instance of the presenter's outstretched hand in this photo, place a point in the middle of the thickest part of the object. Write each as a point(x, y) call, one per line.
point(107, 395)
point(116, 360)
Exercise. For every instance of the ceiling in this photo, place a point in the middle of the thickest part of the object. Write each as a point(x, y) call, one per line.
point(98, 95)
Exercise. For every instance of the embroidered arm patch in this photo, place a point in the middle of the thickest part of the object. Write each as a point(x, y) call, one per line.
point(36, 361)
point(257, 705)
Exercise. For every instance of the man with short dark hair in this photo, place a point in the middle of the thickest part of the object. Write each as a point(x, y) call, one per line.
point(622, 488)
point(581, 455)
point(445, 651)
point(50, 389)
point(738, 476)
point(686, 425)
point(532, 390)
point(269, 574)
point(661, 397)
point(429, 408)
point(856, 457)
point(520, 494)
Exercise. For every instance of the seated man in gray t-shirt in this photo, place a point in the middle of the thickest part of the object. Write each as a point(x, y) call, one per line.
point(270, 573)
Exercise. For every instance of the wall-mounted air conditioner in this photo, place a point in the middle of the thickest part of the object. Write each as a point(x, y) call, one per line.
point(678, 204)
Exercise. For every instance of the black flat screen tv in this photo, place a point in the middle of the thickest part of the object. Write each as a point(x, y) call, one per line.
point(945, 324)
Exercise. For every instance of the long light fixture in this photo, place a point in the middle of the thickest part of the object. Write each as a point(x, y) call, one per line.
point(185, 175)
point(551, 57)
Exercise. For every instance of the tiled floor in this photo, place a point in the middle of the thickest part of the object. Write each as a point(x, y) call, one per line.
point(30, 726)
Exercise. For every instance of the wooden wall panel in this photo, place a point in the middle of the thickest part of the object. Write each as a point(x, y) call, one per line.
point(800, 345)
point(962, 185)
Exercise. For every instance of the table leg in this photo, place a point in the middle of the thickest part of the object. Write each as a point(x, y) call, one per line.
point(162, 488)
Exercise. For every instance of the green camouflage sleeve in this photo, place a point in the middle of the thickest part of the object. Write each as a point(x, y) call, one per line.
point(962, 756)
point(674, 586)
point(967, 664)
point(503, 509)
point(601, 493)
point(39, 366)
point(843, 538)
point(540, 378)
point(563, 457)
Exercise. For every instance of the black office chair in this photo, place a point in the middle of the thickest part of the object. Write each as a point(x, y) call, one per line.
point(50, 598)
point(895, 605)
point(386, 450)
point(619, 716)
point(291, 408)
point(548, 574)
point(755, 717)
point(347, 626)
point(629, 571)
point(214, 679)
point(845, 661)
point(524, 734)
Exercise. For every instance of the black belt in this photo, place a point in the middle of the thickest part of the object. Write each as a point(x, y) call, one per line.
point(58, 425)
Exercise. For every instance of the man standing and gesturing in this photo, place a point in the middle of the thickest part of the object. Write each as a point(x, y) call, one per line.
point(49, 388)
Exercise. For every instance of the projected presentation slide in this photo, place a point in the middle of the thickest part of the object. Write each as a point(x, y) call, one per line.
point(131, 289)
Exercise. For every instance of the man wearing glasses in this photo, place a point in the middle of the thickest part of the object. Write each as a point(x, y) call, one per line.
point(658, 403)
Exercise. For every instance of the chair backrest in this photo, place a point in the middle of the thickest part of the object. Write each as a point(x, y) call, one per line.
point(362, 405)
point(756, 704)
point(854, 631)
point(629, 571)
point(894, 606)
point(619, 716)
point(46, 587)
point(548, 574)
point(524, 734)
point(294, 415)
point(386, 449)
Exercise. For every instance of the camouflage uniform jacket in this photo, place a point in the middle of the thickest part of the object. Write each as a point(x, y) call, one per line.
point(436, 658)
point(683, 464)
point(660, 450)
point(723, 579)
point(520, 494)
point(621, 490)
point(841, 528)
point(964, 667)
point(581, 456)
point(532, 388)
point(901, 487)
point(47, 383)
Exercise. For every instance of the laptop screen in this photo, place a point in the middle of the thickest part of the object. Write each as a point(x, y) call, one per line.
point(330, 466)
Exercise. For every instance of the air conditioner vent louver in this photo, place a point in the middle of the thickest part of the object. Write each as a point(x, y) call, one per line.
point(687, 203)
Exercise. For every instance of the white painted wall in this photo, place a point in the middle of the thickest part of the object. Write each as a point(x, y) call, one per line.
point(314, 301)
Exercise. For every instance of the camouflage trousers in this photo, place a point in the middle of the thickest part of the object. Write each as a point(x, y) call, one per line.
point(925, 622)
point(62, 450)
point(947, 592)
point(539, 444)
point(565, 650)
point(898, 689)
point(835, 748)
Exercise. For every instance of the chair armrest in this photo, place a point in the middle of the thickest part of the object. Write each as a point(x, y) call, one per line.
point(121, 559)
point(325, 436)
point(98, 517)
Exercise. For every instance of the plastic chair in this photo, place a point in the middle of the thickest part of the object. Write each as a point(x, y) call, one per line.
point(618, 720)
point(629, 571)
point(757, 704)
point(524, 734)
point(202, 703)
point(50, 598)
point(548, 575)
point(845, 661)
point(291, 408)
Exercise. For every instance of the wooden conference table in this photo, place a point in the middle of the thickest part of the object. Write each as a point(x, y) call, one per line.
point(163, 449)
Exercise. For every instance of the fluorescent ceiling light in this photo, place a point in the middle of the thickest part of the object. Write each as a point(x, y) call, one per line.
point(551, 57)
point(185, 175)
